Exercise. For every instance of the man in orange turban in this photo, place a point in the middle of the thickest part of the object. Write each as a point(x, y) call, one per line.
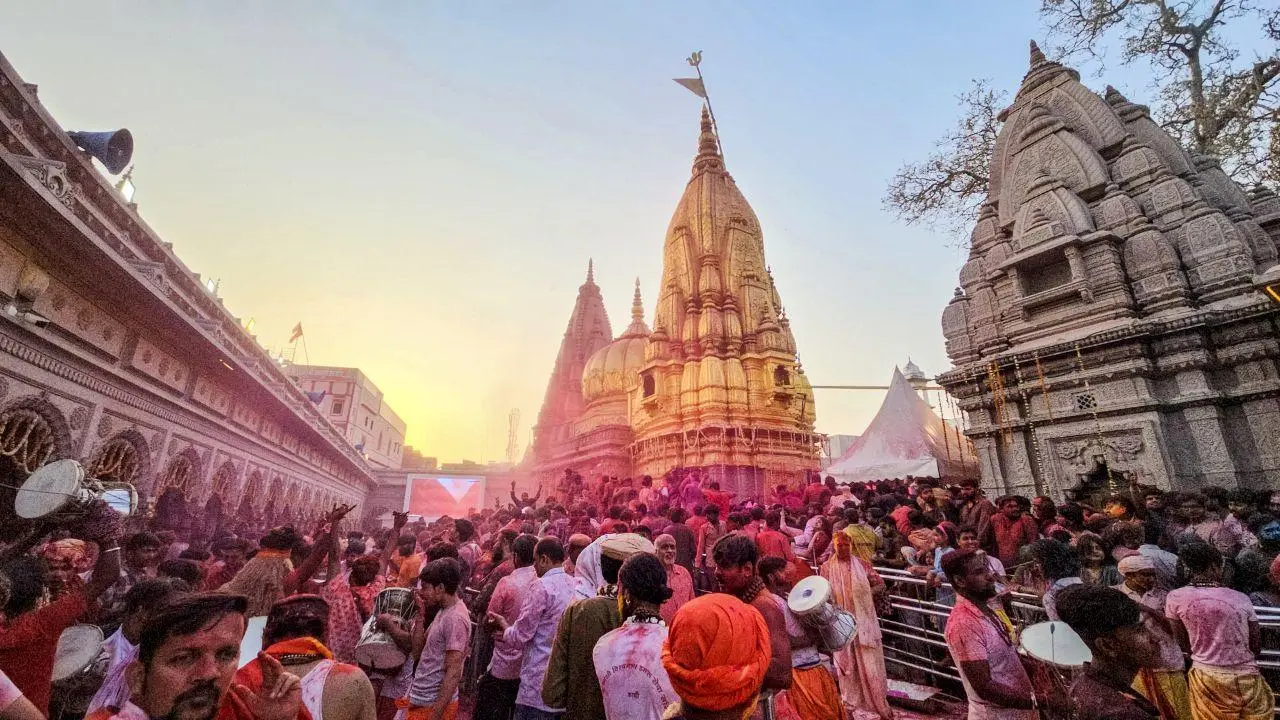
point(716, 654)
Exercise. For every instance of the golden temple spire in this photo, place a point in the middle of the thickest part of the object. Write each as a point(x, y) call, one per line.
point(709, 157)
point(638, 327)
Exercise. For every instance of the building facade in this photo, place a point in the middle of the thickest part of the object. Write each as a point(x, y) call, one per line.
point(113, 352)
point(1110, 326)
point(357, 408)
point(715, 385)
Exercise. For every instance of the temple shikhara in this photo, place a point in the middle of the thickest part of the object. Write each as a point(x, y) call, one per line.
point(1109, 325)
point(714, 385)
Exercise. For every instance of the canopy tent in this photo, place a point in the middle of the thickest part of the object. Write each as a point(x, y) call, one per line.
point(906, 438)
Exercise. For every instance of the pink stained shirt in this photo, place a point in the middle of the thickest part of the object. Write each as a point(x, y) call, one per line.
point(774, 543)
point(508, 597)
point(681, 584)
point(972, 635)
point(628, 664)
point(1217, 622)
point(535, 631)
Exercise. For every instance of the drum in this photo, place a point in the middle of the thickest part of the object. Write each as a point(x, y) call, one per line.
point(810, 602)
point(60, 491)
point(79, 667)
point(78, 647)
point(1054, 655)
point(1056, 644)
point(376, 649)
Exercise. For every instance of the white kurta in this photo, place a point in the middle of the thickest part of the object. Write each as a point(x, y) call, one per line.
point(629, 666)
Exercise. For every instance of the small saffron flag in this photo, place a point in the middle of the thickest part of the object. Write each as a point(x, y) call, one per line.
point(693, 85)
point(297, 332)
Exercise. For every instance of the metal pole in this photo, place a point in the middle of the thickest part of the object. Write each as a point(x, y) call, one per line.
point(696, 61)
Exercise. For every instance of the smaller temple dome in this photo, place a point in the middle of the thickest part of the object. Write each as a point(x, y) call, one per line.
point(911, 371)
point(615, 368)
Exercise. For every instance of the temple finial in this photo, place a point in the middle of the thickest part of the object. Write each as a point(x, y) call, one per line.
point(708, 146)
point(591, 270)
point(637, 307)
point(1037, 57)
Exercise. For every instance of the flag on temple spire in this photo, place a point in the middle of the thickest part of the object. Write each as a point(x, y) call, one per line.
point(694, 85)
point(297, 332)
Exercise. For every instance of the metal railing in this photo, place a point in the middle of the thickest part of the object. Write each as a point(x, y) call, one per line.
point(914, 645)
point(915, 648)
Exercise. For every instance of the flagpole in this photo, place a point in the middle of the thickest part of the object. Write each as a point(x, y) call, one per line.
point(696, 61)
point(306, 355)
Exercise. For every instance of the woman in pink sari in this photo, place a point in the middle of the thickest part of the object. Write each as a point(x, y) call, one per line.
point(859, 665)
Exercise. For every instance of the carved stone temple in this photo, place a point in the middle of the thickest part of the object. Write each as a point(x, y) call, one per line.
point(1110, 323)
point(715, 385)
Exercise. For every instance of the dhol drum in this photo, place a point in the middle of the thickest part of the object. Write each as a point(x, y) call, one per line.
point(377, 650)
point(1054, 655)
point(60, 490)
point(79, 666)
point(78, 647)
point(810, 601)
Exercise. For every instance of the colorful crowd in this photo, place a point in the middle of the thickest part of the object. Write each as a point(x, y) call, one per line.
point(645, 600)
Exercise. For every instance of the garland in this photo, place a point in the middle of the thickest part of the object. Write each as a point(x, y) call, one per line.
point(1097, 424)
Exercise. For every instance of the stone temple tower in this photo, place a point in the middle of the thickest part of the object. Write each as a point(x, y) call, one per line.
point(587, 332)
point(1109, 325)
point(720, 388)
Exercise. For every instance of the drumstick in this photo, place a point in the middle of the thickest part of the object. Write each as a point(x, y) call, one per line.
point(1053, 643)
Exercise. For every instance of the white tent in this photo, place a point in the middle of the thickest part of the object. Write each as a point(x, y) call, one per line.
point(906, 438)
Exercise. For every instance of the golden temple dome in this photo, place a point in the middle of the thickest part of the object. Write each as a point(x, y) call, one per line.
point(614, 369)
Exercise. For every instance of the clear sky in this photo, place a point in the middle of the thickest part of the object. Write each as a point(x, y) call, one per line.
point(422, 183)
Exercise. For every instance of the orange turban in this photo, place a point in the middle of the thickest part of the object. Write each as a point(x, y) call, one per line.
point(716, 653)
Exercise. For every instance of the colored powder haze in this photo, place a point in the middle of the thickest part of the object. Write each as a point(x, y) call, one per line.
point(421, 184)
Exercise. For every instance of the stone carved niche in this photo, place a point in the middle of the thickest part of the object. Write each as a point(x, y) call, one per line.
point(1089, 466)
point(124, 458)
point(33, 432)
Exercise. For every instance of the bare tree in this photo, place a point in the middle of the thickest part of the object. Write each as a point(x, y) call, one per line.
point(942, 191)
point(1210, 100)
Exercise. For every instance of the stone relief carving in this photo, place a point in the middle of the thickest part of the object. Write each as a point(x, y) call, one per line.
point(79, 417)
point(104, 426)
point(1124, 448)
point(53, 175)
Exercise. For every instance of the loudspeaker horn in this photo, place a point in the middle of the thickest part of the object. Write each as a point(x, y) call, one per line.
point(113, 148)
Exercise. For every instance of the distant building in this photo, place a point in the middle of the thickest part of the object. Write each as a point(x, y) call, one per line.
point(834, 448)
point(412, 459)
point(356, 407)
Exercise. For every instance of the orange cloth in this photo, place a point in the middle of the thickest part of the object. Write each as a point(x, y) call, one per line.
point(251, 674)
point(812, 696)
point(716, 653)
point(269, 553)
point(423, 712)
point(409, 569)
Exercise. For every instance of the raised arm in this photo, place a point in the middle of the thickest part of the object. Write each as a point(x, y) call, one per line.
point(398, 521)
point(298, 578)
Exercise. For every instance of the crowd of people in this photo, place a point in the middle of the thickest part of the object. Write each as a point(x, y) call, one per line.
point(616, 599)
